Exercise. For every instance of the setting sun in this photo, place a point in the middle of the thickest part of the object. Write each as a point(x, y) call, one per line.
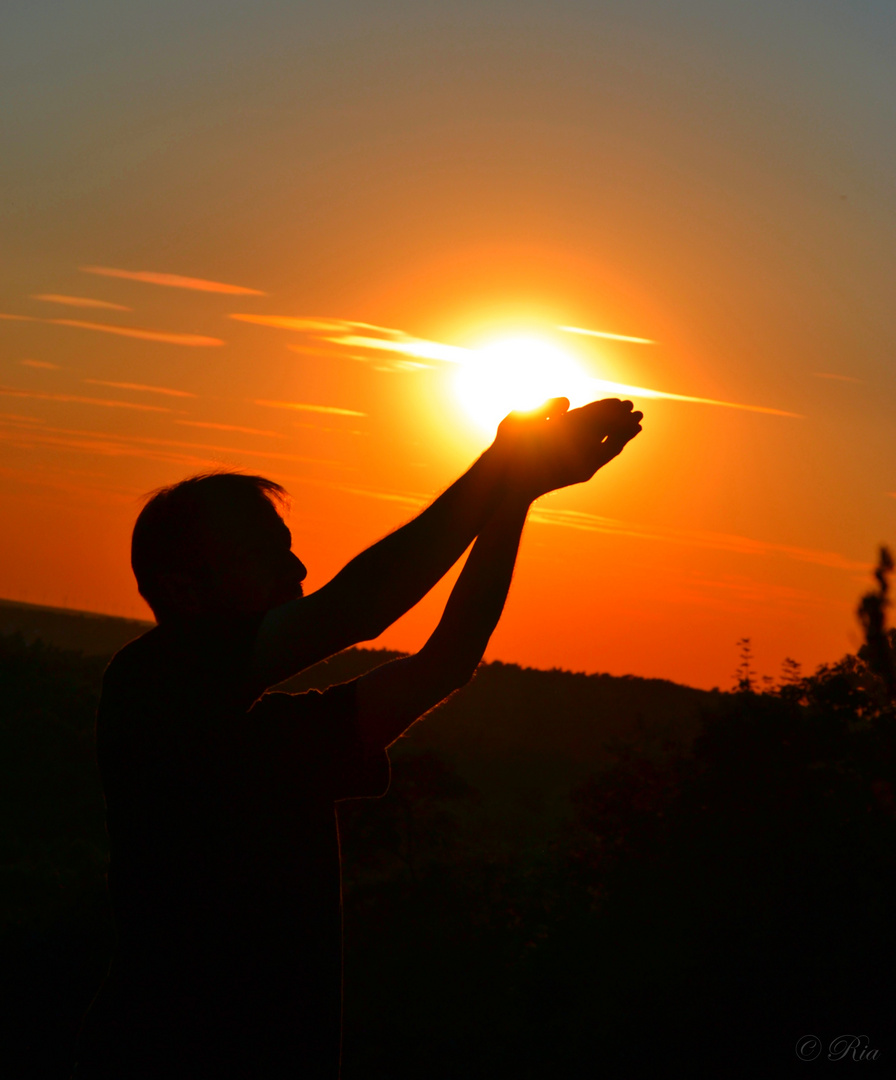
point(517, 373)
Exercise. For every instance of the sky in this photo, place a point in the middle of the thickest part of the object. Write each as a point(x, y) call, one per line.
point(331, 243)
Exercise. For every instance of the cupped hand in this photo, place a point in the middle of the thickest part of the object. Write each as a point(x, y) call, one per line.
point(553, 447)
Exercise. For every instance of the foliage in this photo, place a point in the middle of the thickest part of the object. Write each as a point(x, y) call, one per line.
point(878, 651)
point(54, 918)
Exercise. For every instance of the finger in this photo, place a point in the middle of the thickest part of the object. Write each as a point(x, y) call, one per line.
point(624, 421)
point(617, 440)
point(607, 410)
point(593, 422)
point(553, 407)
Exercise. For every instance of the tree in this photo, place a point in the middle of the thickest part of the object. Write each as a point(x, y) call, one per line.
point(745, 675)
point(879, 650)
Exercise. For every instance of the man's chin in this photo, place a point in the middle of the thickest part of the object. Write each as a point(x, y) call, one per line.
point(289, 596)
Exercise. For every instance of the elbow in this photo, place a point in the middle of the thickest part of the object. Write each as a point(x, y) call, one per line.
point(459, 673)
point(446, 673)
point(466, 675)
point(370, 628)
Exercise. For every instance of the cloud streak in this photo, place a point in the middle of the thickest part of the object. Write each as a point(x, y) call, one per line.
point(329, 410)
point(166, 336)
point(404, 498)
point(172, 281)
point(425, 350)
point(229, 427)
point(192, 340)
point(605, 387)
point(103, 444)
point(79, 301)
point(140, 387)
point(312, 324)
point(453, 354)
point(606, 334)
point(43, 365)
point(19, 417)
point(839, 378)
point(742, 545)
point(343, 334)
point(10, 391)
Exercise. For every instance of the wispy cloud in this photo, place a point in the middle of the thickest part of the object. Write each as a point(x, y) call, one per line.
point(139, 386)
point(229, 427)
point(95, 444)
point(603, 386)
point(743, 545)
point(312, 324)
point(44, 365)
point(194, 340)
point(434, 350)
point(327, 352)
point(330, 430)
point(606, 334)
point(425, 350)
point(344, 334)
point(9, 391)
point(330, 410)
point(384, 496)
point(402, 497)
point(176, 450)
point(19, 418)
point(742, 594)
point(79, 301)
point(172, 281)
point(839, 378)
point(57, 480)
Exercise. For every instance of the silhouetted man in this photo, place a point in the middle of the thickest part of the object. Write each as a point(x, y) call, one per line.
point(224, 872)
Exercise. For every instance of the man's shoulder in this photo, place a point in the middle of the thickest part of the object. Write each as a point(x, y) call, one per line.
point(135, 655)
point(199, 649)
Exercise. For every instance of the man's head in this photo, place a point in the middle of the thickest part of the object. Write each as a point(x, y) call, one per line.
point(214, 544)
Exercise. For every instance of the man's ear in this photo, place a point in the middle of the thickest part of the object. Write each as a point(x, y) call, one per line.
point(179, 591)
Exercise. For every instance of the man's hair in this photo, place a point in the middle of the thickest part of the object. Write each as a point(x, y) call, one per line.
point(178, 525)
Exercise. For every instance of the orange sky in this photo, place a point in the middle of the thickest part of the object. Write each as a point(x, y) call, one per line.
point(718, 182)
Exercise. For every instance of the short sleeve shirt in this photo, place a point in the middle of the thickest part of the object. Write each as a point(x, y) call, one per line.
point(224, 869)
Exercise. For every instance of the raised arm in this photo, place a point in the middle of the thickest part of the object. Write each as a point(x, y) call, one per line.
point(535, 452)
point(393, 696)
point(382, 583)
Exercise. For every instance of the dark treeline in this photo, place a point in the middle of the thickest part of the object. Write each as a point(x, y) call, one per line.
point(571, 875)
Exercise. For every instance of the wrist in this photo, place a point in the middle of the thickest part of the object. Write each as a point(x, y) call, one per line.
point(493, 462)
point(515, 502)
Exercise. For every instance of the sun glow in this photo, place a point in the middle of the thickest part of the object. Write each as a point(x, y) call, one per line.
point(517, 373)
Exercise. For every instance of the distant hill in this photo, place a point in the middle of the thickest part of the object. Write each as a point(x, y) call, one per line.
point(80, 631)
point(520, 736)
point(527, 722)
point(526, 738)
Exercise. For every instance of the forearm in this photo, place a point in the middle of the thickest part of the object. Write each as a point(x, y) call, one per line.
point(477, 600)
point(392, 697)
point(391, 576)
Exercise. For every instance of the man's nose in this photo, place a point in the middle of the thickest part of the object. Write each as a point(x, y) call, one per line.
point(301, 571)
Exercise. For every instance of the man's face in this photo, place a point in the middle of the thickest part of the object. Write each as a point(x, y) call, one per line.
point(254, 567)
